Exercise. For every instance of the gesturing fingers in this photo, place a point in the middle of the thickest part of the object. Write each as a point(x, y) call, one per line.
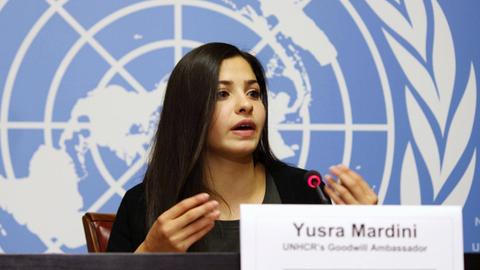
point(181, 225)
point(351, 187)
point(182, 238)
point(341, 195)
point(195, 213)
point(349, 179)
point(185, 205)
point(189, 219)
point(331, 192)
point(351, 182)
point(197, 235)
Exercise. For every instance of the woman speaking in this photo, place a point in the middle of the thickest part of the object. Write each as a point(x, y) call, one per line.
point(211, 154)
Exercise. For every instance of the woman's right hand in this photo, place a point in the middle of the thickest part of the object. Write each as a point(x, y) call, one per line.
point(182, 225)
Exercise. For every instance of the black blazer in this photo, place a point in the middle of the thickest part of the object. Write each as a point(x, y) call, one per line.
point(129, 229)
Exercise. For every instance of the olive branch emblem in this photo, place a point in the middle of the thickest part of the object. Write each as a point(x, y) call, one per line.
point(441, 129)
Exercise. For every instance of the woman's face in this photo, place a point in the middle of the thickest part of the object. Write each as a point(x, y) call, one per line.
point(239, 113)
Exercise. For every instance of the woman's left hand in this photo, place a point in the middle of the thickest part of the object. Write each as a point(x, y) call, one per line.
point(350, 188)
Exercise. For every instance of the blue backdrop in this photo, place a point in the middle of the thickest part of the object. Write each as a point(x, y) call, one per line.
point(386, 87)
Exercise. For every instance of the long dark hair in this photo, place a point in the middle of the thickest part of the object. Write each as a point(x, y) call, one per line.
point(176, 167)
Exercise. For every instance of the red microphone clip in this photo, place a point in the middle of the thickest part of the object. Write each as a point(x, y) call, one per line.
point(314, 180)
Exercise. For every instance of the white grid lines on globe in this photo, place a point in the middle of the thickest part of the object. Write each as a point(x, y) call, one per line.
point(114, 69)
point(9, 83)
point(143, 50)
point(113, 185)
point(25, 45)
point(263, 42)
point(117, 185)
point(347, 111)
point(86, 35)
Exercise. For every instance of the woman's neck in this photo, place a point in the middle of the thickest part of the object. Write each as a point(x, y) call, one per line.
point(235, 181)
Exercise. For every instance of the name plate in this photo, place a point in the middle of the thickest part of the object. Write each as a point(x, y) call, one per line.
point(318, 237)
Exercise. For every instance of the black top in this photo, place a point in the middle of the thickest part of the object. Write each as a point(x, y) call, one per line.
point(129, 229)
point(225, 235)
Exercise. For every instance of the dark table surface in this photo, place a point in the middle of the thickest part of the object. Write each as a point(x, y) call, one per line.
point(197, 261)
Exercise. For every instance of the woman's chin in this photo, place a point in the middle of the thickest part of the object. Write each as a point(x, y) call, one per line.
point(234, 148)
point(238, 151)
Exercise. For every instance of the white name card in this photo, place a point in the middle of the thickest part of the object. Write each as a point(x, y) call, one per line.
point(318, 237)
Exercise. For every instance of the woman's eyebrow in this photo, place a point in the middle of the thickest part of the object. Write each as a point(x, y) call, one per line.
point(226, 82)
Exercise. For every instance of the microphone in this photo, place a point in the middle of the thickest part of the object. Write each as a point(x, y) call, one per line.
point(314, 180)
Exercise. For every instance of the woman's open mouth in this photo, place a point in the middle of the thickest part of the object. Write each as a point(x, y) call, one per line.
point(244, 128)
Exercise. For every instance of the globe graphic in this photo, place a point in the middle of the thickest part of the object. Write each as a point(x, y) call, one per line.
point(86, 139)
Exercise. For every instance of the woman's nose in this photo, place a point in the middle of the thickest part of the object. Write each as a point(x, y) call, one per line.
point(244, 105)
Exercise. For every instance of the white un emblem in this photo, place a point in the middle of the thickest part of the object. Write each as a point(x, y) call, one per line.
point(83, 85)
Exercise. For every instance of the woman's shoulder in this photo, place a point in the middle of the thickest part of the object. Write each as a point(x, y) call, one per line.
point(134, 197)
point(132, 207)
point(135, 191)
point(128, 230)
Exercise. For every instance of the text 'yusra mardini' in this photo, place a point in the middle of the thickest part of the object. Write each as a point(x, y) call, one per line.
point(356, 230)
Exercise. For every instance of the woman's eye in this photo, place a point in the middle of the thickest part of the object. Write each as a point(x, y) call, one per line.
point(222, 94)
point(254, 94)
